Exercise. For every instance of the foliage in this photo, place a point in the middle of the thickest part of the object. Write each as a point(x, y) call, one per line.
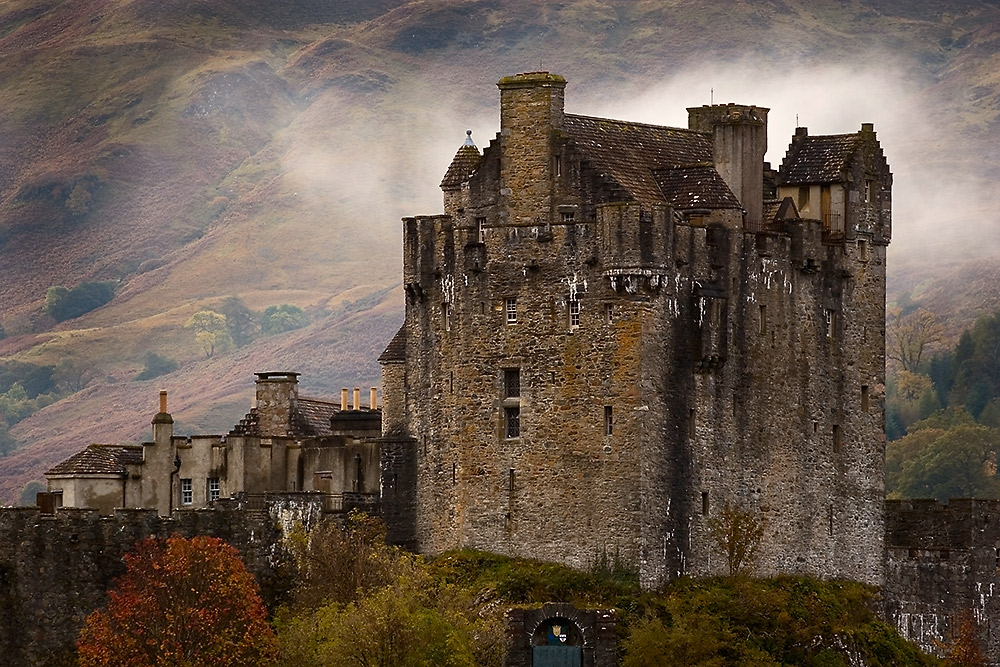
point(181, 602)
point(964, 650)
point(27, 497)
point(72, 374)
point(155, 365)
point(7, 442)
point(16, 405)
point(279, 319)
point(241, 322)
point(782, 621)
point(363, 603)
point(908, 337)
point(960, 462)
point(34, 379)
point(737, 534)
point(211, 331)
point(65, 304)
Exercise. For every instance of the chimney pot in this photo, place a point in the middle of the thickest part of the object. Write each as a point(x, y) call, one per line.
point(163, 400)
point(343, 398)
point(357, 398)
point(374, 396)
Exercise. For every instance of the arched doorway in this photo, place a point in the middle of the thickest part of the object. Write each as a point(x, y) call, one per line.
point(557, 642)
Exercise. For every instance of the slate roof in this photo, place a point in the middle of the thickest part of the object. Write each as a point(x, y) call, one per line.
point(396, 349)
point(99, 460)
point(462, 167)
point(695, 186)
point(313, 417)
point(819, 159)
point(630, 152)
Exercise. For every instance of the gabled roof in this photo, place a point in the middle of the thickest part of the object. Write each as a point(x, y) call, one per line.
point(395, 351)
point(312, 417)
point(819, 159)
point(99, 459)
point(462, 167)
point(695, 186)
point(630, 152)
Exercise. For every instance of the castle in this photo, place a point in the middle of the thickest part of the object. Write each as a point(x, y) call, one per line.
point(614, 332)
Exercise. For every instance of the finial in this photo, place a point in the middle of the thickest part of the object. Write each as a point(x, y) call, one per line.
point(468, 139)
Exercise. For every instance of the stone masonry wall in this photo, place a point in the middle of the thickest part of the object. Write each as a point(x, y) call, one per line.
point(56, 569)
point(942, 565)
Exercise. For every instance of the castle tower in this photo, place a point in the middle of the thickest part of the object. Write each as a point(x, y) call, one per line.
point(531, 111)
point(277, 394)
point(617, 338)
point(739, 142)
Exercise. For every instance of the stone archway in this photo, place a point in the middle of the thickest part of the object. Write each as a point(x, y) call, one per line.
point(560, 635)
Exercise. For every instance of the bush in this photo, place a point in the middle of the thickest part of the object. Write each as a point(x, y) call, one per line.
point(65, 304)
point(279, 319)
point(154, 366)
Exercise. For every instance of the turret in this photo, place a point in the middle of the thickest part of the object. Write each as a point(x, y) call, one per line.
point(277, 394)
point(739, 135)
point(531, 112)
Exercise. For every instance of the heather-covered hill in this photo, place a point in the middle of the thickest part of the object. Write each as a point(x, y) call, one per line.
point(191, 151)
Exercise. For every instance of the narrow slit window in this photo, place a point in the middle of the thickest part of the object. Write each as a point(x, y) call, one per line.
point(609, 420)
point(763, 320)
point(512, 422)
point(446, 315)
point(837, 438)
point(863, 250)
point(609, 313)
point(704, 503)
point(691, 423)
point(865, 400)
point(480, 230)
point(831, 323)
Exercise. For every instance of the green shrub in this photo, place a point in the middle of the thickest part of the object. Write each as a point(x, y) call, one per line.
point(65, 304)
point(155, 365)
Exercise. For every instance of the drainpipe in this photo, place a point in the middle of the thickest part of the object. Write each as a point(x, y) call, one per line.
point(173, 473)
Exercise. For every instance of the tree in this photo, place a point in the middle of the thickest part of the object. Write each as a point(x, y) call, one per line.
point(181, 602)
point(909, 336)
point(279, 319)
point(155, 365)
point(960, 462)
point(964, 649)
point(210, 331)
point(240, 320)
point(65, 304)
point(73, 375)
point(737, 534)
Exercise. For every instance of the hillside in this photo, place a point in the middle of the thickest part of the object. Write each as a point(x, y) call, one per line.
point(191, 151)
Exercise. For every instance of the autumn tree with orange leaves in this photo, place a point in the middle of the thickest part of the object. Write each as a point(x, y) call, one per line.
point(181, 602)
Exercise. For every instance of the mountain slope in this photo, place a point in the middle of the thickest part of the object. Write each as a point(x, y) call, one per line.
point(196, 150)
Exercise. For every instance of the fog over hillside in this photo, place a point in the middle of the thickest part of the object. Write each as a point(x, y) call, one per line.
point(268, 150)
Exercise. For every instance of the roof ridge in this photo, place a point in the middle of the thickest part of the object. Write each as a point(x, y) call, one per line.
point(619, 121)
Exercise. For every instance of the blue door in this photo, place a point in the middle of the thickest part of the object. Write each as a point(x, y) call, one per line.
point(557, 656)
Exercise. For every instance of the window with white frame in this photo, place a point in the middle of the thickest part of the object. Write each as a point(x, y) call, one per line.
point(510, 310)
point(574, 313)
point(214, 488)
point(187, 492)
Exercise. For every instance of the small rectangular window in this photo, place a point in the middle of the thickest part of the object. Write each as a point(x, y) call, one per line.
point(609, 420)
point(704, 503)
point(837, 438)
point(574, 313)
point(691, 423)
point(510, 308)
point(609, 313)
point(512, 383)
point(214, 488)
point(868, 192)
point(512, 422)
point(863, 250)
point(763, 321)
point(864, 398)
point(480, 230)
point(558, 164)
point(831, 323)
point(567, 217)
point(187, 493)
point(446, 316)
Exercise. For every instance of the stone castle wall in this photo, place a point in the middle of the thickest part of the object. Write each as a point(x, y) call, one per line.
point(942, 566)
point(56, 568)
